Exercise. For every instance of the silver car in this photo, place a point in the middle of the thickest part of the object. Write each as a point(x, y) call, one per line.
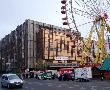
point(11, 80)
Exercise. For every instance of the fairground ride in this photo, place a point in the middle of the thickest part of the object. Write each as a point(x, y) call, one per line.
point(90, 17)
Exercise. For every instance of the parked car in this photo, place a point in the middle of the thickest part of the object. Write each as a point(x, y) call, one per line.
point(11, 80)
point(66, 77)
point(45, 75)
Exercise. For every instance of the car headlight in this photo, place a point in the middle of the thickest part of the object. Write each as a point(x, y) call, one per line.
point(11, 82)
point(21, 81)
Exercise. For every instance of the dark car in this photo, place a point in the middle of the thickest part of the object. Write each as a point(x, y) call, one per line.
point(11, 80)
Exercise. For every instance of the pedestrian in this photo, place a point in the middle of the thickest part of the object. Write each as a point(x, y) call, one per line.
point(27, 73)
point(23, 74)
point(53, 76)
point(60, 77)
point(101, 76)
point(36, 76)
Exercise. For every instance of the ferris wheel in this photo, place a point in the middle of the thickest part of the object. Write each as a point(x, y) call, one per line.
point(91, 17)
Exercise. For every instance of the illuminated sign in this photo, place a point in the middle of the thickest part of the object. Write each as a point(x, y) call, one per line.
point(61, 58)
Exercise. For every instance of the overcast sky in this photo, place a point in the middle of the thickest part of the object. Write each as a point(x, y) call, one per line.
point(14, 12)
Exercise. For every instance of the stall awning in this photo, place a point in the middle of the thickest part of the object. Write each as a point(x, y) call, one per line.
point(106, 64)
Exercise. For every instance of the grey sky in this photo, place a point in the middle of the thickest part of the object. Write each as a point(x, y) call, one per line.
point(14, 12)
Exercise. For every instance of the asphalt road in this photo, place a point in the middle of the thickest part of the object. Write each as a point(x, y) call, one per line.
point(33, 84)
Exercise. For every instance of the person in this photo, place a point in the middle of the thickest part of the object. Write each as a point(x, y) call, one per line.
point(23, 75)
point(58, 74)
point(27, 73)
point(36, 75)
point(60, 78)
point(53, 76)
point(31, 74)
point(102, 76)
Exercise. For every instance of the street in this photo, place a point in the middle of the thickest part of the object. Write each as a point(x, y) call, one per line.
point(33, 84)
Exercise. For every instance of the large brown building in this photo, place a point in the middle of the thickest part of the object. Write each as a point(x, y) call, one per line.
point(33, 41)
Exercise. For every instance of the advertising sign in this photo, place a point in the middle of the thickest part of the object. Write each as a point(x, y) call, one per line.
point(61, 58)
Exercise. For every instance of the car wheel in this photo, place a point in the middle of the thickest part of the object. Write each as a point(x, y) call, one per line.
point(67, 79)
point(43, 78)
point(21, 86)
point(8, 86)
point(72, 79)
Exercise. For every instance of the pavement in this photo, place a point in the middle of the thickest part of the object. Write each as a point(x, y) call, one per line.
point(33, 84)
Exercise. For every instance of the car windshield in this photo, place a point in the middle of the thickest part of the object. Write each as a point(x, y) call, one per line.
point(13, 77)
point(40, 73)
point(48, 74)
